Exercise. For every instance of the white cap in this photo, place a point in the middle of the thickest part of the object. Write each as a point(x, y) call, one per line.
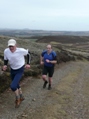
point(11, 42)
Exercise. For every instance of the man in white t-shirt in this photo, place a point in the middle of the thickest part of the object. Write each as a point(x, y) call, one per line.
point(15, 57)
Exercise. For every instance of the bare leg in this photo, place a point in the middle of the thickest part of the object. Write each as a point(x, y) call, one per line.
point(17, 93)
point(50, 83)
point(20, 91)
point(45, 81)
point(44, 77)
point(50, 80)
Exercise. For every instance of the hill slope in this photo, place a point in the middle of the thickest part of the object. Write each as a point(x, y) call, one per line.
point(69, 97)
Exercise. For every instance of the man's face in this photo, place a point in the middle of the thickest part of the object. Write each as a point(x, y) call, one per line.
point(12, 48)
point(49, 49)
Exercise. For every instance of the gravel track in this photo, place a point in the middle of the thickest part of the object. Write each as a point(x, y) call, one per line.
point(42, 103)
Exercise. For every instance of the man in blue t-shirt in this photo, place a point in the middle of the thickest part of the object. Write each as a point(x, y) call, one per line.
point(48, 59)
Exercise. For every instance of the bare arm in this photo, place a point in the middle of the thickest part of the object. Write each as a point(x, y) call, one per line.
point(53, 61)
point(41, 60)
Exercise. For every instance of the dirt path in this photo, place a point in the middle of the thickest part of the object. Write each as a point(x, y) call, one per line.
point(68, 99)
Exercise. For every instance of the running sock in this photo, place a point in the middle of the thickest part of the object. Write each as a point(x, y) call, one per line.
point(21, 95)
point(17, 97)
point(49, 87)
point(45, 83)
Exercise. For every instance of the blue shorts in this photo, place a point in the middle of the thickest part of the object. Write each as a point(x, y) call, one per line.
point(16, 76)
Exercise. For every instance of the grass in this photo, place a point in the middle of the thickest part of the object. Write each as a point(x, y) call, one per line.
point(58, 100)
point(54, 43)
point(62, 95)
point(36, 48)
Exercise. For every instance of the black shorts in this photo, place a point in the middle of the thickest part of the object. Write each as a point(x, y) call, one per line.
point(48, 70)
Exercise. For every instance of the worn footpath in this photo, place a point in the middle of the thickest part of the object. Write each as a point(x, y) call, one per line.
point(68, 98)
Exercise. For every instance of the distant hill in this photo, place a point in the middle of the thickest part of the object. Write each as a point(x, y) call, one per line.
point(64, 39)
point(32, 33)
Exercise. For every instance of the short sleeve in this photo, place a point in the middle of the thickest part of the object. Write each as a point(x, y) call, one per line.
point(54, 53)
point(42, 54)
point(24, 51)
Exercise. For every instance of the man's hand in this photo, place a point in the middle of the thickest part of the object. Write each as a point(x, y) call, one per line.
point(4, 68)
point(27, 66)
point(48, 61)
point(41, 62)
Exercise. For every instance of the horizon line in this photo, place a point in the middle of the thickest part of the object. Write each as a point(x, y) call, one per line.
point(44, 30)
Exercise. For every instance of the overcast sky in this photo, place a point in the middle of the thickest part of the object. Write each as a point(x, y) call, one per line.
point(59, 15)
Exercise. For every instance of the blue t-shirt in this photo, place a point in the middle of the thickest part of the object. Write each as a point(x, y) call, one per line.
point(50, 57)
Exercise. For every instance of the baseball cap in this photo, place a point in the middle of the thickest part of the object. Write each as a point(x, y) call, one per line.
point(11, 42)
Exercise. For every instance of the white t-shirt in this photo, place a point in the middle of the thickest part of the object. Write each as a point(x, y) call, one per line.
point(16, 59)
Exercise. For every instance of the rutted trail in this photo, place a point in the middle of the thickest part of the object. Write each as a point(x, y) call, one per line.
point(68, 98)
